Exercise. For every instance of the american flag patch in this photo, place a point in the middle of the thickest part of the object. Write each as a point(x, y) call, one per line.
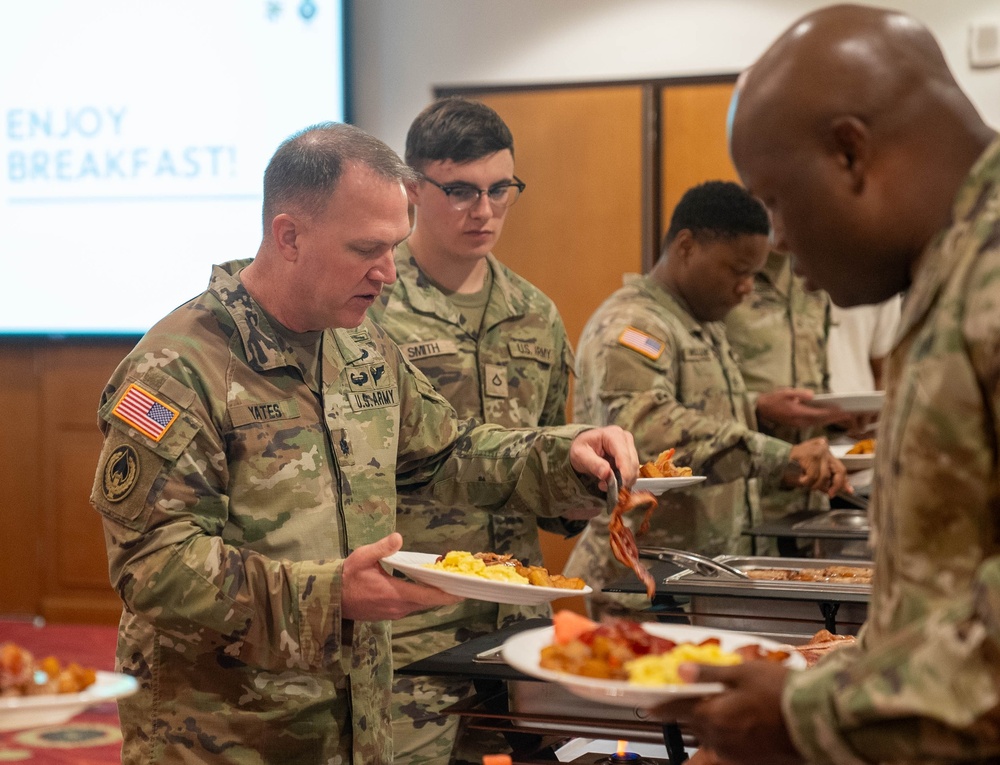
point(144, 412)
point(641, 342)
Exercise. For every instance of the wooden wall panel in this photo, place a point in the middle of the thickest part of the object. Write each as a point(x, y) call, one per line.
point(53, 537)
point(578, 226)
point(693, 144)
point(21, 520)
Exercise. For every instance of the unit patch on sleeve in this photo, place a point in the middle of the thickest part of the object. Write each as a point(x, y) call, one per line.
point(145, 412)
point(642, 343)
point(121, 471)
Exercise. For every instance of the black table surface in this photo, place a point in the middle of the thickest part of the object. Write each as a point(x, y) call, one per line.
point(459, 660)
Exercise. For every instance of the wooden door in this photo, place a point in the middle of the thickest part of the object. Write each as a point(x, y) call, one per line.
point(693, 143)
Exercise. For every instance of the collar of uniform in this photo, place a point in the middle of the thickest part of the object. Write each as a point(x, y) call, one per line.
point(347, 341)
point(673, 303)
point(418, 291)
point(262, 348)
point(940, 256)
point(778, 271)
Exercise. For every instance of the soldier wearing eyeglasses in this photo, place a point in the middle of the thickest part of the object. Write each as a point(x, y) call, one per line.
point(496, 348)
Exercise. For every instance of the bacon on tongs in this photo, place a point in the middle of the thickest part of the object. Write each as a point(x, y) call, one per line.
point(622, 540)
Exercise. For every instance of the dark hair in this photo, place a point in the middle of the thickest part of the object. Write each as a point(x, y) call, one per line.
point(307, 166)
point(457, 129)
point(718, 209)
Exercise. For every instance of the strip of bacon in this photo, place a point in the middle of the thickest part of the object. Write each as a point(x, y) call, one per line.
point(623, 544)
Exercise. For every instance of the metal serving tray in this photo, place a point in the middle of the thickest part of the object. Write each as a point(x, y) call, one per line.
point(772, 606)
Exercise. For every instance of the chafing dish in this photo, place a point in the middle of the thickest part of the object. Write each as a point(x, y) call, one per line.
point(770, 607)
point(837, 533)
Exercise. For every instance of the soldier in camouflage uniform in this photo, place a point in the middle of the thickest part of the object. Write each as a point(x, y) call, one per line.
point(654, 359)
point(495, 347)
point(779, 334)
point(882, 177)
point(248, 478)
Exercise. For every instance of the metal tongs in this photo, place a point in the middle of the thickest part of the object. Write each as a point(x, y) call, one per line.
point(614, 482)
point(700, 564)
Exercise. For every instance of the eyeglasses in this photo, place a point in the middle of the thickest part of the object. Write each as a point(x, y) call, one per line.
point(463, 196)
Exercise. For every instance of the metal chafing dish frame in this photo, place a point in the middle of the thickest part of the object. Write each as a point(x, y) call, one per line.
point(728, 603)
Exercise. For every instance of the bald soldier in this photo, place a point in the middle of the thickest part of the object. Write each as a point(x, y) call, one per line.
point(254, 440)
point(882, 178)
point(654, 359)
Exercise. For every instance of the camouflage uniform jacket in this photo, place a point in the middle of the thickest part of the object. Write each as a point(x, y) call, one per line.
point(780, 335)
point(514, 371)
point(923, 684)
point(686, 392)
point(229, 504)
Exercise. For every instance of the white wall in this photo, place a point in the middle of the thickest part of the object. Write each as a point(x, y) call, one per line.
point(402, 49)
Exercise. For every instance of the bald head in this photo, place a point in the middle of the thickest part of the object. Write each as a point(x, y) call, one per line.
point(854, 133)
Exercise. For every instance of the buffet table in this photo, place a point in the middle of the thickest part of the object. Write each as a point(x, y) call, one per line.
point(537, 717)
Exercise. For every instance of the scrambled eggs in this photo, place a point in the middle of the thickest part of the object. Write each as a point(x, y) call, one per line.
point(661, 669)
point(459, 562)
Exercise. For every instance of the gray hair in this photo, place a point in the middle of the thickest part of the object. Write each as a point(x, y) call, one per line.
point(307, 167)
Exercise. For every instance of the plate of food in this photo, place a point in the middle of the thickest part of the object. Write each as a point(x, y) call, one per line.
point(34, 711)
point(849, 402)
point(659, 485)
point(857, 456)
point(491, 577)
point(644, 657)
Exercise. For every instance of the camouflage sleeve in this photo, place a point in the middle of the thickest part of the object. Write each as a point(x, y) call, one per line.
point(169, 563)
point(554, 413)
point(554, 410)
point(639, 394)
point(520, 469)
point(933, 688)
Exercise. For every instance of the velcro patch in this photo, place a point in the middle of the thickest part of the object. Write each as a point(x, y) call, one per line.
point(428, 348)
point(528, 349)
point(373, 399)
point(145, 412)
point(640, 342)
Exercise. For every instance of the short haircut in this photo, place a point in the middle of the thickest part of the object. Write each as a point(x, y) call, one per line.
point(307, 167)
point(718, 209)
point(457, 129)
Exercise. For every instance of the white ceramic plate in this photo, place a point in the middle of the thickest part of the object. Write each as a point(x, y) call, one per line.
point(659, 485)
point(849, 402)
point(852, 462)
point(467, 586)
point(35, 711)
point(523, 651)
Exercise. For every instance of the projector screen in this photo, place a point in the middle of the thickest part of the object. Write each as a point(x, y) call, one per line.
point(134, 140)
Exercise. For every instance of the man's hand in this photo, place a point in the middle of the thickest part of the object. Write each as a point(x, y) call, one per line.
point(371, 595)
point(811, 466)
point(589, 453)
point(786, 406)
point(742, 725)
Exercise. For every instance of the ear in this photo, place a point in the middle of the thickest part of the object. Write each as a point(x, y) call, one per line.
point(683, 246)
point(852, 146)
point(413, 192)
point(285, 229)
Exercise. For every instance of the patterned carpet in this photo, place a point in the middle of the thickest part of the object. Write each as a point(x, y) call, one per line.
point(90, 738)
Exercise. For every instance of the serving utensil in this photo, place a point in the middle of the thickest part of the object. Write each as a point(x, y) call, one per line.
point(700, 564)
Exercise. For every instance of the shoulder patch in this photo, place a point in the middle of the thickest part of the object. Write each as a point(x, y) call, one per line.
point(121, 471)
point(640, 342)
point(144, 412)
